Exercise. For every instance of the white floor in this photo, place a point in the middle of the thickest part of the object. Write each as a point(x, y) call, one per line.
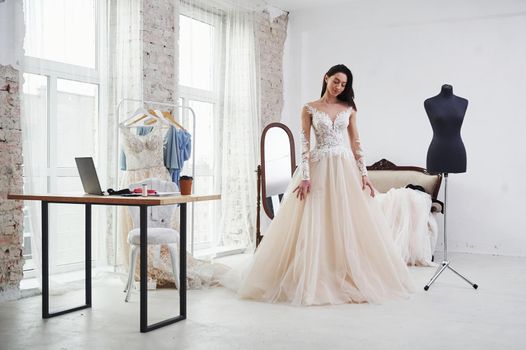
point(451, 315)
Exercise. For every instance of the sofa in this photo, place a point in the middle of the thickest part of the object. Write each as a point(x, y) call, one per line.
point(417, 242)
point(386, 175)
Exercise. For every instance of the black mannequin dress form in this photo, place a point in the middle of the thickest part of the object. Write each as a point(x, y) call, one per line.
point(446, 153)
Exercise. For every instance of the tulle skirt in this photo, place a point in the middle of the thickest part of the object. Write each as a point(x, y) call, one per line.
point(414, 227)
point(333, 247)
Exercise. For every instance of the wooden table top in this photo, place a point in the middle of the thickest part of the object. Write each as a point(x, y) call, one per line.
point(116, 200)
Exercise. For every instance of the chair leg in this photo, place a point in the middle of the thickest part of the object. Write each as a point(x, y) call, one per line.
point(175, 263)
point(130, 273)
point(133, 261)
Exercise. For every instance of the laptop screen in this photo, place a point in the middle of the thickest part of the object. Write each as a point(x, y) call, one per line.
point(88, 175)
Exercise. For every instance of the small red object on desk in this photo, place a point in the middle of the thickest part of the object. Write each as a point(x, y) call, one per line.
point(139, 190)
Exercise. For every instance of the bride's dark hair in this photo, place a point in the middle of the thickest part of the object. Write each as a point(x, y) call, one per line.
point(347, 95)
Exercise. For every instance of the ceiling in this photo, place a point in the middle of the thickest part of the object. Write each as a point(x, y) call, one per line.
point(291, 5)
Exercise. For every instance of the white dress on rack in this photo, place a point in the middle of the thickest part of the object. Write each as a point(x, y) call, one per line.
point(336, 245)
point(144, 159)
point(144, 156)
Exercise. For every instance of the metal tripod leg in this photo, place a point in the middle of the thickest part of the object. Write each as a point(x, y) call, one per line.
point(464, 278)
point(439, 271)
point(446, 264)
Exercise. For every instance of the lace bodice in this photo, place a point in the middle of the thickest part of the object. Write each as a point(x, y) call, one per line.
point(331, 136)
point(331, 139)
point(143, 152)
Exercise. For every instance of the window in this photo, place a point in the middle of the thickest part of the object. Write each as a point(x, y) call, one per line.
point(199, 57)
point(196, 53)
point(61, 31)
point(61, 92)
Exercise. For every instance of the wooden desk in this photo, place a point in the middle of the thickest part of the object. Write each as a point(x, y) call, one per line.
point(143, 203)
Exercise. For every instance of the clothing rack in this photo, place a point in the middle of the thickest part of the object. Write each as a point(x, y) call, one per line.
point(116, 138)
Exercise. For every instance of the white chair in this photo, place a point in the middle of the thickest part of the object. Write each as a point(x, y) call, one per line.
point(159, 230)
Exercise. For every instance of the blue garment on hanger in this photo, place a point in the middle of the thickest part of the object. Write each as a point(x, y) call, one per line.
point(178, 148)
point(171, 156)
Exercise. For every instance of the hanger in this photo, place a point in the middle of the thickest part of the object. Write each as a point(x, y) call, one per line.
point(168, 116)
point(141, 114)
point(150, 117)
point(165, 116)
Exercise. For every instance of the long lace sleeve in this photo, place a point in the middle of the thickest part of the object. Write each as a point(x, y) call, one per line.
point(305, 143)
point(356, 145)
point(359, 156)
point(305, 156)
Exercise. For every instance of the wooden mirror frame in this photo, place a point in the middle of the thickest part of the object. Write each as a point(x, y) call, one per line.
point(261, 173)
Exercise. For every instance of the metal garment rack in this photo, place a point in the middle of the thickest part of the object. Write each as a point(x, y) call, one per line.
point(116, 140)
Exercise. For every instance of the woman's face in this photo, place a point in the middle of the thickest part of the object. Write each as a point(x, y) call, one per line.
point(336, 83)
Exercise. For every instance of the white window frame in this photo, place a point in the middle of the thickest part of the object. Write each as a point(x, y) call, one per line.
point(55, 70)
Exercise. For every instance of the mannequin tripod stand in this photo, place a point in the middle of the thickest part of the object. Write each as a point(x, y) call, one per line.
point(445, 262)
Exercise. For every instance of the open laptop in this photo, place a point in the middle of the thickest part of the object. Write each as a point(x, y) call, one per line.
point(88, 175)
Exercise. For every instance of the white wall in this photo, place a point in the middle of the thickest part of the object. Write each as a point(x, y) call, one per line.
point(400, 54)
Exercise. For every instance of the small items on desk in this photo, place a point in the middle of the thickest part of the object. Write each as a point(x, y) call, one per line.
point(144, 190)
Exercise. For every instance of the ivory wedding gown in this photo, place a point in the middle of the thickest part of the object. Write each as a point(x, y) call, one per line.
point(333, 247)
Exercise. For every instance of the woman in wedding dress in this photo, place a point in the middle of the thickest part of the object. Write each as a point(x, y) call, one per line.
point(329, 243)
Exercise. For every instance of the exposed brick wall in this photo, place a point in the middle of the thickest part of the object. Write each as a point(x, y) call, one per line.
point(270, 37)
point(156, 47)
point(159, 32)
point(11, 216)
point(160, 58)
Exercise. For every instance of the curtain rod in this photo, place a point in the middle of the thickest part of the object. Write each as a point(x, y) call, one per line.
point(222, 5)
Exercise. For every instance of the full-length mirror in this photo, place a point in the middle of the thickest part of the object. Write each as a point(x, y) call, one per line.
point(278, 162)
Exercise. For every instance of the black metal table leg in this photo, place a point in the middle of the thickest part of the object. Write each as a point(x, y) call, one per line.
point(182, 260)
point(87, 249)
point(144, 327)
point(45, 263)
point(144, 272)
point(144, 267)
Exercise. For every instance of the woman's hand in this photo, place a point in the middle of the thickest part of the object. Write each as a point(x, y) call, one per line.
point(367, 183)
point(303, 188)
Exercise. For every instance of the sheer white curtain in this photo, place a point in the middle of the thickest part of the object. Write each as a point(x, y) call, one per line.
point(33, 102)
point(200, 85)
point(219, 66)
point(125, 82)
point(240, 129)
point(81, 57)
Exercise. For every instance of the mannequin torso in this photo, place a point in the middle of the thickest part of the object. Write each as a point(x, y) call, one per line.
point(446, 153)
